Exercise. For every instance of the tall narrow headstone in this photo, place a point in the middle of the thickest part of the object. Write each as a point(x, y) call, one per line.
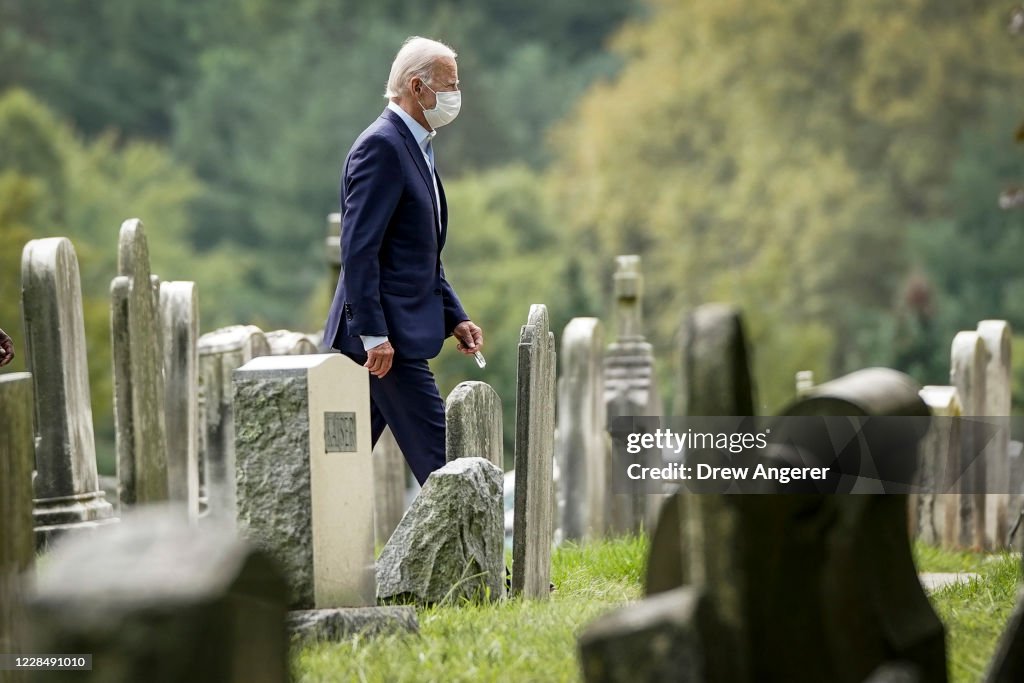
point(136, 338)
point(533, 530)
point(715, 379)
point(389, 471)
point(996, 336)
point(288, 343)
point(179, 311)
point(580, 449)
point(933, 516)
point(473, 417)
point(967, 372)
point(17, 548)
point(67, 495)
point(332, 248)
point(630, 389)
point(305, 475)
point(221, 352)
point(160, 600)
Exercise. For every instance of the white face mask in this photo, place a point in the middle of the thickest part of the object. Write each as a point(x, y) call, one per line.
point(446, 109)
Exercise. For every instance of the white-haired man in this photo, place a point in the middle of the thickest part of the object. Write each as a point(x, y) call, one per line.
point(393, 307)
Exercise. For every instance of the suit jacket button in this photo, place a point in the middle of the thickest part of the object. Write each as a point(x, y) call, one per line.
point(437, 291)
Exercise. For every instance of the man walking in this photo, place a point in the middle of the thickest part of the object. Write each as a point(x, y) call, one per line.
point(393, 308)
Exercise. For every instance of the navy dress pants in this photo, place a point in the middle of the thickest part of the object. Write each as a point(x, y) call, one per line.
point(407, 400)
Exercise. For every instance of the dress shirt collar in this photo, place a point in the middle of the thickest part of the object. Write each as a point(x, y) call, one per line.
point(420, 134)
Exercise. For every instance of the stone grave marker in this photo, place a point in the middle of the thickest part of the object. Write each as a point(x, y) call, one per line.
point(179, 312)
point(17, 546)
point(581, 446)
point(996, 336)
point(66, 487)
point(473, 417)
point(715, 380)
point(450, 545)
point(136, 337)
point(304, 474)
point(533, 528)
point(288, 343)
point(221, 352)
point(630, 389)
point(968, 370)
point(157, 599)
point(933, 517)
point(389, 474)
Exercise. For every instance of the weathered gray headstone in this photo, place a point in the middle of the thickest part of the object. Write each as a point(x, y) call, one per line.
point(288, 343)
point(17, 548)
point(449, 546)
point(473, 416)
point(136, 344)
point(714, 366)
point(996, 336)
point(389, 470)
point(155, 599)
point(580, 449)
point(533, 528)
point(715, 380)
point(933, 517)
point(656, 639)
point(630, 389)
point(67, 495)
point(332, 247)
point(179, 311)
point(1007, 664)
point(221, 352)
point(967, 372)
point(334, 625)
point(304, 473)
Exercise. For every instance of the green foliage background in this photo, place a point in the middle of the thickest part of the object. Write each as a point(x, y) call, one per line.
point(832, 167)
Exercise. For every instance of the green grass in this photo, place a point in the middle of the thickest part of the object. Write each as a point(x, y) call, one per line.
point(513, 640)
point(975, 612)
point(523, 640)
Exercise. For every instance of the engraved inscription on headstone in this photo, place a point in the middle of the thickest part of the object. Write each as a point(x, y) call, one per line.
point(339, 432)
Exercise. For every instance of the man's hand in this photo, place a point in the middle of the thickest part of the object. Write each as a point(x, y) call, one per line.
point(378, 359)
point(471, 337)
point(6, 349)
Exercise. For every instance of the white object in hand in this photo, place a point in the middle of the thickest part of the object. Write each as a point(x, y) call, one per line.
point(480, 359)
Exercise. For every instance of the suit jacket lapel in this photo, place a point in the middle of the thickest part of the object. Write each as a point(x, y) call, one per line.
point(444, 210)
point(417, 156)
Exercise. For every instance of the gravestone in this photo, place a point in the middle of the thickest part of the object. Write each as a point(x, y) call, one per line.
point(17, 548)
point(179, 312)
point(835, 570)
point(996, 336)
point(138, 372)
point(332, 247)
point(473, 417)
point(155, 599)
point(221, 352)
point(630, 389)
point(304, 474)
point(449, 546)
point(389, 470)
point(933, 516)
point(714, 380)
point(967, 372)
point(581, 446)
point(288, 343)
point(533, 528)
point(66, 487)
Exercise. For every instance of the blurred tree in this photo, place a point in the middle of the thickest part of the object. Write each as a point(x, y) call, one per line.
point(773, 155)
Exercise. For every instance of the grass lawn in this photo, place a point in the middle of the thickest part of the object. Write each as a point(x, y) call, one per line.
point(976, 612)
point(514, 640)
point(517, 640)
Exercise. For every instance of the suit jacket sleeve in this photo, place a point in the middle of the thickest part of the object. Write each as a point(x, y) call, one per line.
point(372, 189)
point(453, 311)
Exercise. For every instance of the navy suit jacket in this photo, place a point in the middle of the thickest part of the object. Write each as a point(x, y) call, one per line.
point(392, 281)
